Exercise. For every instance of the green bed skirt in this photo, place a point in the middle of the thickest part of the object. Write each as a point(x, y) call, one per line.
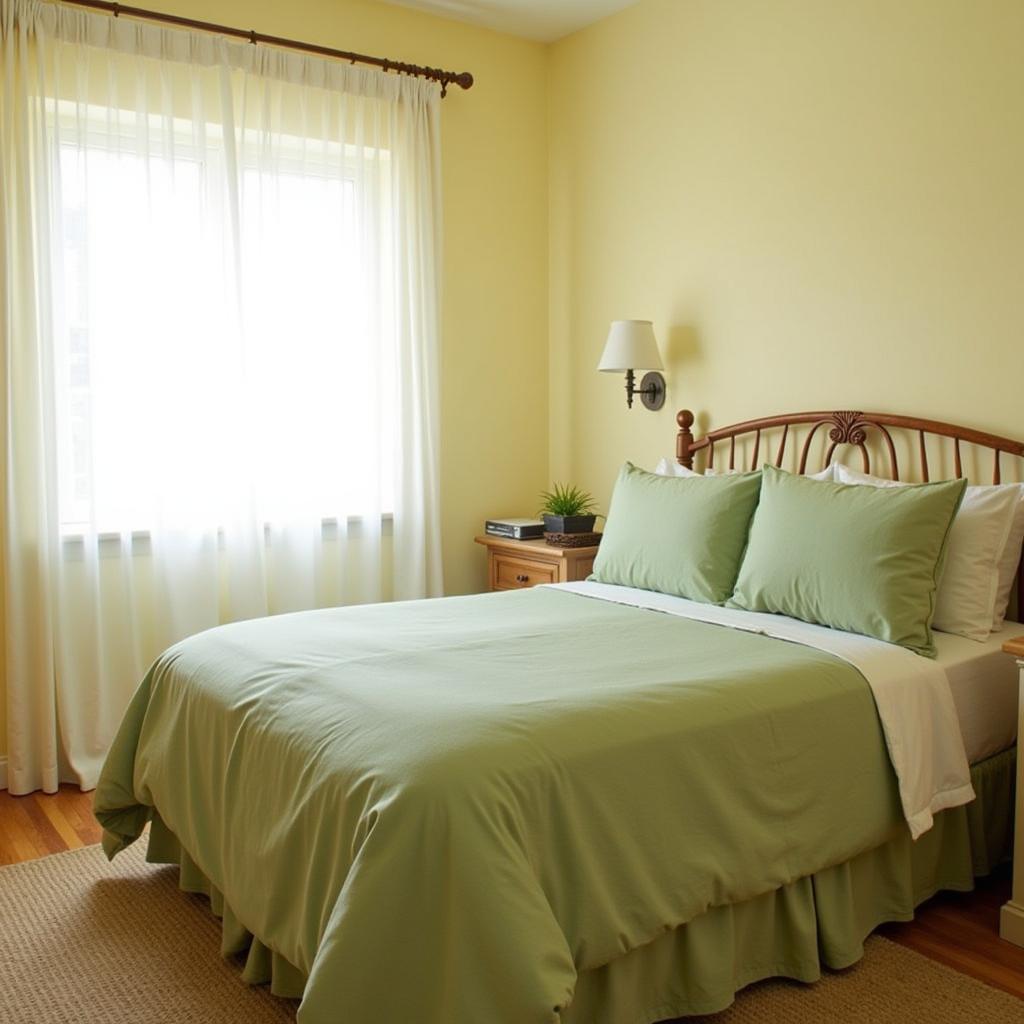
point(819, 921)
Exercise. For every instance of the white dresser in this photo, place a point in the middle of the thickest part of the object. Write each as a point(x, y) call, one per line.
point(1011, 919)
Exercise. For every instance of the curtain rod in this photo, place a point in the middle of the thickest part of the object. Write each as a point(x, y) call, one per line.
point(463, 79)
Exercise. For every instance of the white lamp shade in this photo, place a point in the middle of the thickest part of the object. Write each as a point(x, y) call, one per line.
point(631, 345)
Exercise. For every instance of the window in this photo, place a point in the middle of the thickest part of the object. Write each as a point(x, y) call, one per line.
point(220, 339)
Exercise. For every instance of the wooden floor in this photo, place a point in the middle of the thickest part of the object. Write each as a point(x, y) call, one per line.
point(33, 826)
point(960, 930)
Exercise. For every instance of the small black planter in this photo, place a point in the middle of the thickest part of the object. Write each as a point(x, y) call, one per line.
point(569, 524)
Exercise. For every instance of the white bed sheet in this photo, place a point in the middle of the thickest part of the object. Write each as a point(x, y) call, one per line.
point(983, 681)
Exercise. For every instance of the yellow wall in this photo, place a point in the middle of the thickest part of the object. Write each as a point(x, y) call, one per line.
point(820, 203)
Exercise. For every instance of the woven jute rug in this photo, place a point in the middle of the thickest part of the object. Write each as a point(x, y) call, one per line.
point(87, 942)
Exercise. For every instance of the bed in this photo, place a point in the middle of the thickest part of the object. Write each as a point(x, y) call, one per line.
point(566, 804)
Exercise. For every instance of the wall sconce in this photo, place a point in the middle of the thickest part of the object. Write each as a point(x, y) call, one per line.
point(631, 345)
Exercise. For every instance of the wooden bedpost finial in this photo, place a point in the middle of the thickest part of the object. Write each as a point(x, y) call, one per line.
point(684, 439)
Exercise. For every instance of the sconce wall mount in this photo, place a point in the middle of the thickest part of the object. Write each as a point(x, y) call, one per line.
point(631, 345)
point(651, 390)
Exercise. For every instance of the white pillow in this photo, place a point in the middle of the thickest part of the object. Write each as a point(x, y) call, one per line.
point(969, 587)
point(669, 467)
point(672, 468)
point(1010, 561)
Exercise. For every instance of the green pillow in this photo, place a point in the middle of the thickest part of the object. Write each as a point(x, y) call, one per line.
point(862, 559)
point(677, 535)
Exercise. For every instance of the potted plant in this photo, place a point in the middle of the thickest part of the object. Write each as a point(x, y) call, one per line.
point(567, 509)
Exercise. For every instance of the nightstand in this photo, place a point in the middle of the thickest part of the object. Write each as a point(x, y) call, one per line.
point(1011, 918)
point(514, 564)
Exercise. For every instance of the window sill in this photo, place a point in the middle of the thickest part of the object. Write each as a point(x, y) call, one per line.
point(139, 542)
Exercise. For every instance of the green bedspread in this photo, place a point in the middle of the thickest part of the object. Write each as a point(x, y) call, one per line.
point(441, 811)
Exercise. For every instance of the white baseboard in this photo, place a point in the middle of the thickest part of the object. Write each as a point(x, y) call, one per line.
point(3, 772)
point(1011, 923)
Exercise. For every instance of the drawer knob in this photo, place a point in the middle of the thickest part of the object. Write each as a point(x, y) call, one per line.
point(522, 578)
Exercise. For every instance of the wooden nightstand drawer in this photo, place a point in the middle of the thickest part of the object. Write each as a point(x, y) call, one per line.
point(508, 572)
point(515, 564)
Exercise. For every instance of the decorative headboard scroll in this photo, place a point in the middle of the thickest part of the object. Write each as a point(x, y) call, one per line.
point(846, 427)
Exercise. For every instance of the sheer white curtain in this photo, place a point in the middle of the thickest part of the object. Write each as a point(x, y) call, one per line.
point(219, 329)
